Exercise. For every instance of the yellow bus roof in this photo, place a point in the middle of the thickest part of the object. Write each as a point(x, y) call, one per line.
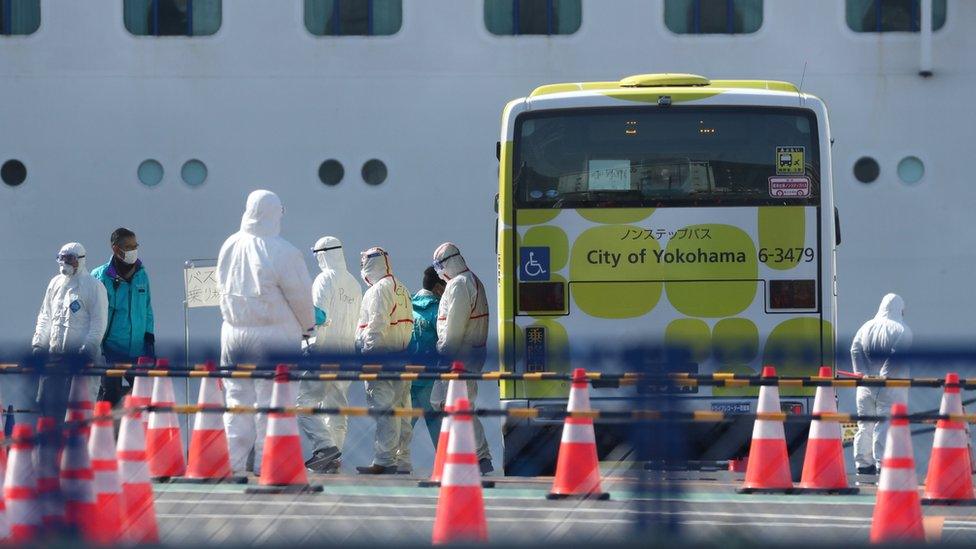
point(668, 80)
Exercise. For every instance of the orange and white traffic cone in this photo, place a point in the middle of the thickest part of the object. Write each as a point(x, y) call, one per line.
point(138, 510)
point(460, 505)
point(949, 481)
point(108, 489)
point(897, 509)
point(4, 525)
point(282, 466)
point(209, 452)
point(78, 484)
point(79, 400)
point(20, 487)
point(48, 483)
point(142, 389)
point(823, 464)
point(768, 469)
point(577, 468)
point(456, 390)
point(164, 443)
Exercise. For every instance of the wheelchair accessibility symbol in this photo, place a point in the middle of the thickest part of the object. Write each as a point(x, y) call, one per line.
point(534, 264)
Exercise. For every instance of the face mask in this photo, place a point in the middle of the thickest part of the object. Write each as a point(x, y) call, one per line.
point(365, 278)
point(130, 257)
point(67, 270)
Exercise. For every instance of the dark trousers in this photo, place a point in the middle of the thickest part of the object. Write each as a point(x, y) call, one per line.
point(111, 389)
point(420, 398)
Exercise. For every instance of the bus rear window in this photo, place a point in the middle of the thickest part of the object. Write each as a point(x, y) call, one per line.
point(676, 156)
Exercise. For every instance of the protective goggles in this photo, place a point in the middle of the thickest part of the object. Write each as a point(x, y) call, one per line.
point(327, 248)
point(438, 264)
point(367, 256)
point(68, 258)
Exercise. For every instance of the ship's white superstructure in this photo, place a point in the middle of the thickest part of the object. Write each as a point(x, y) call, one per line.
point(262, 103)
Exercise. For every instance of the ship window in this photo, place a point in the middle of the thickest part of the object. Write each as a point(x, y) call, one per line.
point(331, 172)
point(374, 172)
point(172, 17)
point(13, 172)
point(516, 17)
point(892, 15)
point(194, 172)
point(866, 169)
point(150, 172)
point(19, 16)
point(353, 17)
point(713, 16)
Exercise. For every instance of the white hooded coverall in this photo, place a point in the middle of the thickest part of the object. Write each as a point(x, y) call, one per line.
point(72, 319)
point(874, 353)
point(462, 328)
point(264, 300)
point(336, 292)
point(385, 326)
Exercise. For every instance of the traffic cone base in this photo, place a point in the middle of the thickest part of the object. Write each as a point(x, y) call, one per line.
point(437, 484)
point(891, 522)
point(165, 451)
point(897, 514)
point(460, 516)
point(949, 479)
point(824, 471)
point(138, 507)
point(209, 460)
point(774, 475)
point(456, 390)
point(768, 468)
point(282, 468)
point(577, 466)
point(575, 471)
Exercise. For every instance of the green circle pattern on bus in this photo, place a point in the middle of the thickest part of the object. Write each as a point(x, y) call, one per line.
point(717, 299)
point(607, 289)
point(553, 238)
point(615, 215)
point(782, 228)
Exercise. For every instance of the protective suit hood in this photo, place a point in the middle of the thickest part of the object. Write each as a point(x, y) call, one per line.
point(262, 214)
point(375, 264)
point(892, 307)
point(78, 250)
point(329, 254)
point(448, 261)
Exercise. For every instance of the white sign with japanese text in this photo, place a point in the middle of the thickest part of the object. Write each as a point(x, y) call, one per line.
point(201, 287)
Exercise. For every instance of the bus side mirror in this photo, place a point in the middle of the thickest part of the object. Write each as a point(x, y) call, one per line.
point(498, 151)
point(836, 226)
point(496, 203)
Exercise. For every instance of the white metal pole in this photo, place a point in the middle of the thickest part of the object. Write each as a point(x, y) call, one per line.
point(925, 68)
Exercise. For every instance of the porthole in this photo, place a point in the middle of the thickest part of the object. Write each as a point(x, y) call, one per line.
point(150, 173)
point(331, 172)
point(13, 172)
point(374, 172)
point(866, 169)
point(194, 172)
point(911, 169)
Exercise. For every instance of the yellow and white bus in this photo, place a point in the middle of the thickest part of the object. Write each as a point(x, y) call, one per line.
point(665, 209)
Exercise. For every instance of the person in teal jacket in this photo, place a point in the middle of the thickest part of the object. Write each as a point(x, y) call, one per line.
point(131, 331)
point(423, 344)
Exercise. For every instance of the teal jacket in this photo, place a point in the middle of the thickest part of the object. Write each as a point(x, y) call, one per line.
point(130, 314)
point(423, 342)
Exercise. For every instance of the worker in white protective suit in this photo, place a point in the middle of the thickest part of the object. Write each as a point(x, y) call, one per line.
point(337, 297)
point(71, 322)
point(264, 300)
point(462, 332)
point(384, 329)
point(874, 352)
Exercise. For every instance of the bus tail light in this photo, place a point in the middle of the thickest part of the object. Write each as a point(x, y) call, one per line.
point(542, 296)
point(792, 294)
